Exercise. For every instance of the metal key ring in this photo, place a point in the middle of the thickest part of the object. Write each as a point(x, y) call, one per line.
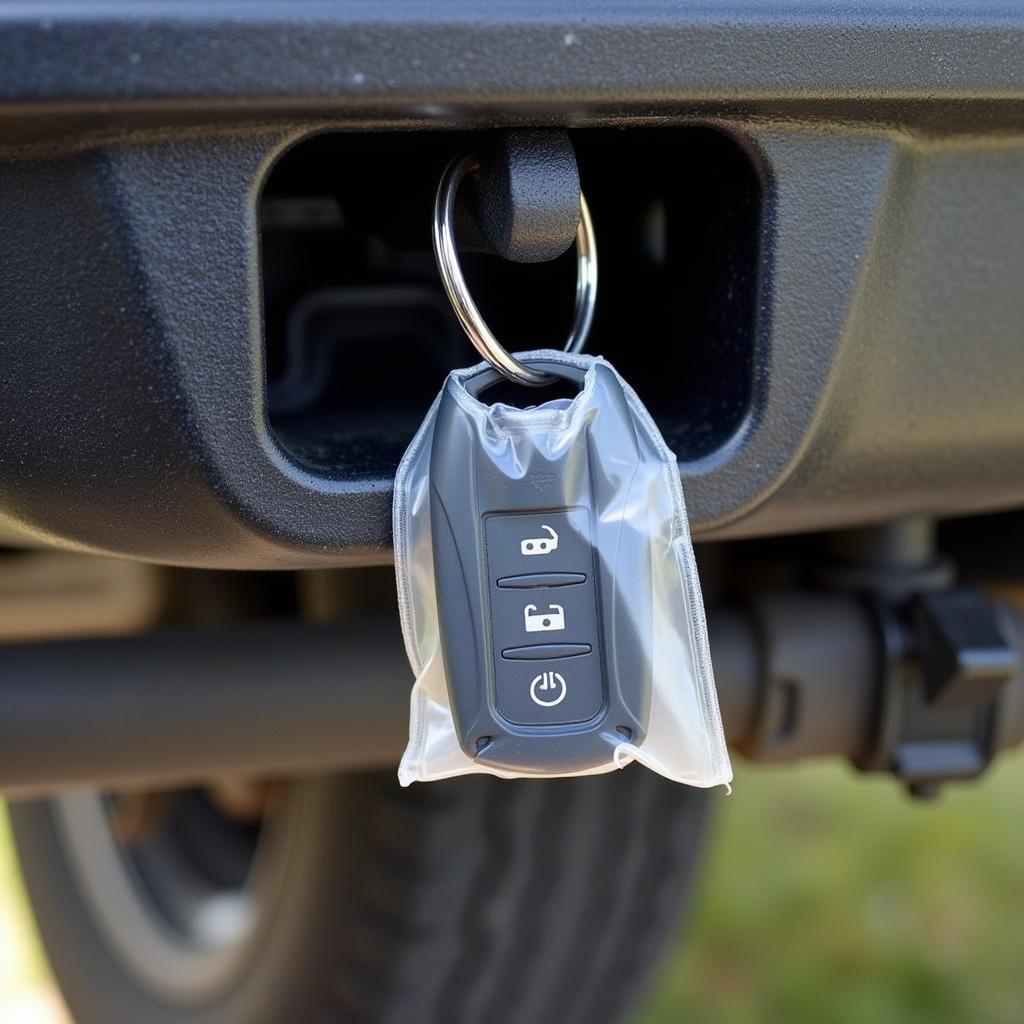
point(483, 339)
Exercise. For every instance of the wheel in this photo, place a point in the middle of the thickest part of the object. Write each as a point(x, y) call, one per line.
point(349, 899)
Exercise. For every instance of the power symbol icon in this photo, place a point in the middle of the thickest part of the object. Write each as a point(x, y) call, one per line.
point(548, 689)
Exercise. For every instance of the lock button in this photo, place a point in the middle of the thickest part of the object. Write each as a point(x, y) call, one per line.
point(544, 618)
point(535, 543)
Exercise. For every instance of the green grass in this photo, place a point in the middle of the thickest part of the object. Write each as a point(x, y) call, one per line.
point(828, 898)
point(22, 967)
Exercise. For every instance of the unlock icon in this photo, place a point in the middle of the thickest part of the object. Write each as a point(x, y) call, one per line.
point(544, 622)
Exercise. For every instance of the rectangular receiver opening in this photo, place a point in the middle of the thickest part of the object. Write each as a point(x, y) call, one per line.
point(359, 335)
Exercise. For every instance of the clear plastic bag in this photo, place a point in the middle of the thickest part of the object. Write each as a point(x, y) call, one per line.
point(641, 538)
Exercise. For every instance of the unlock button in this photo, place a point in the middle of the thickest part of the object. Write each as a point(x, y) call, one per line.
point(544, 621)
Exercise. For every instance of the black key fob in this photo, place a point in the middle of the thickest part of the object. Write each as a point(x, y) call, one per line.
point(545, 665)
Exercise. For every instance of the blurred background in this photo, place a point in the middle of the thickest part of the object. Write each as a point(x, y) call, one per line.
point(826, 896)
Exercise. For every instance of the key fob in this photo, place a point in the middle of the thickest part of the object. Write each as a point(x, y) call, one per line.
point(545, 664)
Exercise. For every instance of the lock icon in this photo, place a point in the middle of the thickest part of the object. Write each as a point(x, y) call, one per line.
point(540, 545)
point(544, 622)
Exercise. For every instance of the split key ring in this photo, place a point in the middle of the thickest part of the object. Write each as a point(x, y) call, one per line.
point(483, 339)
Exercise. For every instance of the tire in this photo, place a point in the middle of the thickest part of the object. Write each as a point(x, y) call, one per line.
point(468, 901)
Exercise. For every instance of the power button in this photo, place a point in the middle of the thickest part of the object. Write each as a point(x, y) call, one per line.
point(548, 689)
